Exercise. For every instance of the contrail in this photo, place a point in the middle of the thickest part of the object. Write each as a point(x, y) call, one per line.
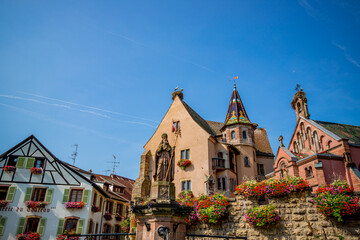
point(90, 107)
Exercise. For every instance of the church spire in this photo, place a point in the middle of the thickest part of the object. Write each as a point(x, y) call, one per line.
point(236, 112)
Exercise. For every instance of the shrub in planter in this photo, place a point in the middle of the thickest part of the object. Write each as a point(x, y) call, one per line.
point(35, 204)
point(3, 203)
point(184, 163)
point(8, 168)
point(28, 236)
point(36, 170)
point(125, 225)
point(74, 205)
point(67, 236)
point(95, 209)
point(262, 216)
point(251, 189)
point(107, 216)
point(337, 200)
point(284, 186)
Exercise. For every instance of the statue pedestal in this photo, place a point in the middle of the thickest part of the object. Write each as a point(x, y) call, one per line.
point(162, 192)
point(161, 213)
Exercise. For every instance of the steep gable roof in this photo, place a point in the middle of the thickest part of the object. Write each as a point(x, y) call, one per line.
point(216, 126)
point(262, 143)
point(344, 131)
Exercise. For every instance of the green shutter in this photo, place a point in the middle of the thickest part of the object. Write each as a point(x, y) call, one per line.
point(114, 208)
point(66, 195)
point(11, 194)
point(42, 225)
point(20, 162)
point(80, 226)
point(112, 229)
point(21, 225)
point(60, 228)
point(2, 225)
point(85, 197)
point(49, 195)
point(28, 194)
point(30, 163)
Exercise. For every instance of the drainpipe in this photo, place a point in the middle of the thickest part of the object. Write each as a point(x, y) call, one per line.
point(102, 215)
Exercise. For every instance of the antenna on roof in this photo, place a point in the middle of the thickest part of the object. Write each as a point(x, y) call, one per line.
point(107, 171)
point(75, 153)
point(115, 164)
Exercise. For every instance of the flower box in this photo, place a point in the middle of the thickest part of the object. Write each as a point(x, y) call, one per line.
point(184, 163)
point(95, 209)
point(28, 236)
point(67, 236)
point(118, 217)
point(8, 168)
point(3, 203)
point(107, 216)
point(35, 204)
point(36, 170)
point(74, 205)
point(262, 216)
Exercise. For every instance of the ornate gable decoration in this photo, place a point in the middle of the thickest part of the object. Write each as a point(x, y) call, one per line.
point(30, 154)
point(236, 112)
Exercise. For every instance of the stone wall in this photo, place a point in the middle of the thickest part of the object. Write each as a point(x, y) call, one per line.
point(299, 220)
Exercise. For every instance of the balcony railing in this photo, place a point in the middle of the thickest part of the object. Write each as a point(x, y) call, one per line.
point(218, 163)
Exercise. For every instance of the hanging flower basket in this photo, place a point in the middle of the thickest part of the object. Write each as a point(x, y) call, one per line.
point(74, 205)
point(262, 216)
point(107, 216)
point(8, 168)
point(95, 209)
point(184, 163)
point(3, 203)
point(118, 217)
point(28, 236)
point(35, 204)
point(36, 170)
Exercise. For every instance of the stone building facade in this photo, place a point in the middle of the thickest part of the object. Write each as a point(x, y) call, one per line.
point(222, 154)
point(319, 151)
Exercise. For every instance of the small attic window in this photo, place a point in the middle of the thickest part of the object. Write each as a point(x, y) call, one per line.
point(118, 189)
point(176, 126)
point(244, 135)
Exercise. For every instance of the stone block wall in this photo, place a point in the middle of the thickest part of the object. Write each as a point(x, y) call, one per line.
point(299, 220)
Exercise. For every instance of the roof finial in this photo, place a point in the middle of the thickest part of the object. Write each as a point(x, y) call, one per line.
point(234, 81)
point(281, 141)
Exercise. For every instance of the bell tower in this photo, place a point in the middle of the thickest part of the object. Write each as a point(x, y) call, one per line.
point(299, 104)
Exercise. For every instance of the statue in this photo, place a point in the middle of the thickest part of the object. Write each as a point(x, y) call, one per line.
point(163, 160)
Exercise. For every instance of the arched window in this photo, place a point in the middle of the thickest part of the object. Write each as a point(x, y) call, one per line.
point(295, 147)
point(233, 135)
point(321, 143)
point(310, 172)
point(308, 133)
point(316, 141)
point(283, 170)
point(299, 107)
point(244, 135)
point(246, 162)
point(302, 130)
point(299, 141)
point(329, 144)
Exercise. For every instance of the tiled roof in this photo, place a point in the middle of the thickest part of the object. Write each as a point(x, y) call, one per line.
point(199, 120)
point(216, 126)
point(344, 131)
point(262, 143)
point(236, 112)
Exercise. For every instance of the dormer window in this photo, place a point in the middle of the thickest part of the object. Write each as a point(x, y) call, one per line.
point(232, 134)
point(106, 187)
point(118, 189)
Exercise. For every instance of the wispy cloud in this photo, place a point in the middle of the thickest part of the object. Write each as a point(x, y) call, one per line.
point(347, 55)
point(308, 8)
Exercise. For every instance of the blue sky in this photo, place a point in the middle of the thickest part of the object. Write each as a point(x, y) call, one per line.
point(101, 73)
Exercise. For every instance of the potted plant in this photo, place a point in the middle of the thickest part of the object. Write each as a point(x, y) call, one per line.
point(67, 236)
point(35, 204)
point(95, 209)
point(184, 163)
point(74, 205)
point(3, 203)
point(107, 216)
point(262, 216)
point(36, 170)
point(9, 168)
point(28, 236)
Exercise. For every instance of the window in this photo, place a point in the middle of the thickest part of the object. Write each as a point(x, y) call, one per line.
point(70, 225)
point(106, 187)
point(219, 183)
point(39, 163)
point(220, 155)
point(76, 195)
point(185, 154)
point(246, 162)
point(185, 185)
point(12, 161)
point(109, 207)
point(38, 194)
point(244, 135)
point(176, 126)
point(329, 144)
point(233, 135)
point(118, 189)
point(308, 172)
point(101, 202)
point(32, 225)
point(117, 229)
point(119, 208)
point(91, 226)
point(224, 139)
point(96, 227)
point(223, 184)
point(3, 192)
point(107, 228)
point(261, 170)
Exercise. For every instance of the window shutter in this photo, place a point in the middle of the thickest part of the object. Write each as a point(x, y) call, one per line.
point(11, 194)
point(60, 228)
point(42, 226)
point(112, 229)
point(49, 195)
point(66, 195)
point(28, 194)
point(86, 194)
point(21, 225)
point(30, 163)
point(114, 209)
point(20, 162)
point(80, 226)
point(2, 225)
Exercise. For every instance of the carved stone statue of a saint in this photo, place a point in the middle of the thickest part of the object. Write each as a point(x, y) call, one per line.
point(162, 160)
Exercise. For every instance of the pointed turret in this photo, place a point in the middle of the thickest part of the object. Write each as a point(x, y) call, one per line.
point(236, 112)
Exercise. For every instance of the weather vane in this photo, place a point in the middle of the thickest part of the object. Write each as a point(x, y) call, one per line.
point(297, 88)
point(234, 80)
